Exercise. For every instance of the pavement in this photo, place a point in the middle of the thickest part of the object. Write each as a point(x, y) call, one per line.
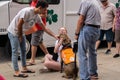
point(108, 68)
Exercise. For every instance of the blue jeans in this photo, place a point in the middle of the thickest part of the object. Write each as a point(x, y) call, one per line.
point(15, 45)
point(86, 44)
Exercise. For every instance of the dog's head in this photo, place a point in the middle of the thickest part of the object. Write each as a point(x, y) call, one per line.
point(66, 39)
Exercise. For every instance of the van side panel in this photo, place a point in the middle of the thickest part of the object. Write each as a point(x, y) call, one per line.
point(4, 17)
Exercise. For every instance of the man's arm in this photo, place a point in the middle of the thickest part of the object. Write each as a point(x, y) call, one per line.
point(48, 31)
point(19, 26)
point(79, 25)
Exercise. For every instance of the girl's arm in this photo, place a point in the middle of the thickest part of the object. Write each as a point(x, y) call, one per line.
point(56, 49)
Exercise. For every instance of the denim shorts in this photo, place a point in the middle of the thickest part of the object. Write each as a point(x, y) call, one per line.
point(109, 35)
point(37, 38)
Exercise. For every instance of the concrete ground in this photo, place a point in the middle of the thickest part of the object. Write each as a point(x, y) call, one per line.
point(108, 69)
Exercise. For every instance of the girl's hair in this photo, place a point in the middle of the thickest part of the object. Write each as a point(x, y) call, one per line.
point(42, 3)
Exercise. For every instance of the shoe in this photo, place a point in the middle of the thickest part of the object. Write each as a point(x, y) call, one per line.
point(21, 75)
point(108, 51)
point(116, 55)
point(44, 71)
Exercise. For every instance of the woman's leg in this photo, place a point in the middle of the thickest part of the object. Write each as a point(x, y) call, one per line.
point(51, 64)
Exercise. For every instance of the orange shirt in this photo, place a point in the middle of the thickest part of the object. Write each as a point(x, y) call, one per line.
point(67, 55)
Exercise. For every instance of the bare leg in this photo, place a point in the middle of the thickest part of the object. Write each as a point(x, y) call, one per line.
point(51, 64)
point(109, 45)
point(118, 47)
point(117, 54)
point(33, 50)
point(44, 49)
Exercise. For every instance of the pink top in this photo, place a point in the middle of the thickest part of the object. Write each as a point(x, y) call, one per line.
point(117, 27)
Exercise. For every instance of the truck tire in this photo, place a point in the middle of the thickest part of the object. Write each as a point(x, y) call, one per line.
point(8, 50)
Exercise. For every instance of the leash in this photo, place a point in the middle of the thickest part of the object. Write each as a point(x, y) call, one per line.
point(75, 49)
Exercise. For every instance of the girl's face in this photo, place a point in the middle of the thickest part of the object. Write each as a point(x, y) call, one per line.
point(62, 31)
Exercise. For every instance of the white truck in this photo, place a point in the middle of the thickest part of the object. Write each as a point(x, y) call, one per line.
point(60, 13)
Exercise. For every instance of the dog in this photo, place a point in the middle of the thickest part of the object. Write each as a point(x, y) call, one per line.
point(68, 58)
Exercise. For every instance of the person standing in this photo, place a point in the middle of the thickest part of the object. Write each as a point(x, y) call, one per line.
point(107, 11)
point(116, 29)
point(37, 37)
point(22, 22)
point(87, 32)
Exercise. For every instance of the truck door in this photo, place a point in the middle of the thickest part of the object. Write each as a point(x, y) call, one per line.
point(71, 8)
point(54, 20)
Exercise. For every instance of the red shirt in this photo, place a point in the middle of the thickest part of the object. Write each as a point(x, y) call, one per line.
point(38, 26)
point(33, 3)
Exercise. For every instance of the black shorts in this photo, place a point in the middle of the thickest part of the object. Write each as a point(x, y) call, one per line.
point(109, 35)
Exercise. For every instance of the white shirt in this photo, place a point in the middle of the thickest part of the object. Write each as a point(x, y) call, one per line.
point(60, 48)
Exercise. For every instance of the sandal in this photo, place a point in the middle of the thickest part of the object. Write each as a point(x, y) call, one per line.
point(94, 77)
point(21, 75)
point(28, 71)
point(30, 64)
point(44, 70)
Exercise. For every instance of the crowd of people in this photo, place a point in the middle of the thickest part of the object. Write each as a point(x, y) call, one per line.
point(94, 22)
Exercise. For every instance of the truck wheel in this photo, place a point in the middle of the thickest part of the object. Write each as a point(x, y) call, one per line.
point(8, 50)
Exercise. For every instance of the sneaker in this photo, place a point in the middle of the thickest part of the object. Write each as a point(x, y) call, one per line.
point(108, 51)
point(116, 55)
